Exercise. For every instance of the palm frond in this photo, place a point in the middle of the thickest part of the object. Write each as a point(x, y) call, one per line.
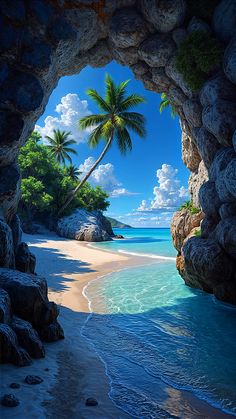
point(130, 102)
point(102, 104)
point(164, 104)
point(70, 150)
point(121, 91)
point(133, 116)
point(136, 127)
point(91, 120)
point(111, 92)
point(95, 136)
point(69, 142)
point(123, 140)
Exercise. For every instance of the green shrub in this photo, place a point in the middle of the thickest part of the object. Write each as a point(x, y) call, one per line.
point(198, 233)
point(197, 55)
point(189, 205)
point(202, 8)
point(45, 186)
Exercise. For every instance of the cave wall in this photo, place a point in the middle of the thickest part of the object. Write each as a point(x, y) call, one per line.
point(43, 40)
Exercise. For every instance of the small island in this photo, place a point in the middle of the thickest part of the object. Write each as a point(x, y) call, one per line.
point(117, 224)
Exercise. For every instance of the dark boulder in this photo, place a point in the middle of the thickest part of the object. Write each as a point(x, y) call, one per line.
point(28, 294)
point(206, 263)
point(51, 332)
point(25, 260)
point(28, 337)
point(9, 400)
point(5, 307)
point(10, 351)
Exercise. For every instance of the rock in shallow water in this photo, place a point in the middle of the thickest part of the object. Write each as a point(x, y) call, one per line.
point(33, 379)
point(9, 400)
point(91, 402)
point(14, 385)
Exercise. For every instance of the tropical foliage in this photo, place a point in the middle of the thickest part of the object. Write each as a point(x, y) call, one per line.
point(45, 185)
point(197, 55)
point(73, 172)
point(189, 206)
point(165, 103)
point(59, 145)
point(114, 124)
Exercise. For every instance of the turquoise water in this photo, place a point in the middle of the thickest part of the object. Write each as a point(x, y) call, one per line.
point(149, 328)
point(148, 241)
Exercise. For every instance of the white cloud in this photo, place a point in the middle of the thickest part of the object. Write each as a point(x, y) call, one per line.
point(143, 206)
point(169, 194)
point(105, 177)
point(122, 192)
point(70, 110)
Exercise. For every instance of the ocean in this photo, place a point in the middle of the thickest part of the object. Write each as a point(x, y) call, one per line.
point(149, 328)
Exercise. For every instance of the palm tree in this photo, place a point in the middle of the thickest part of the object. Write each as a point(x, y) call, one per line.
point(165, 102)
point(73, 172)
point(59, 145)
point(112, 125)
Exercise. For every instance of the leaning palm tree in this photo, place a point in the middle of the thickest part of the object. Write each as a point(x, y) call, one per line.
point(165, 103)
point(73, 172)
point(112, 125)
point(59, 145)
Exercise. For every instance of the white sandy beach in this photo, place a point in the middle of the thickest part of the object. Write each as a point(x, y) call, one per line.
point(71, 370)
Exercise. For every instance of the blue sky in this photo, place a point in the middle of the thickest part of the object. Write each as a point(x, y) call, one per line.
point(146, 185)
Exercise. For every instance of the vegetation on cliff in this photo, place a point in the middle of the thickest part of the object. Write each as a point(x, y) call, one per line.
point(165, 103)
point(189, 206)
point(197, 56)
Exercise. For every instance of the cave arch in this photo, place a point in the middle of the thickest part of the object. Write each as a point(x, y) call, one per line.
point(45, 40)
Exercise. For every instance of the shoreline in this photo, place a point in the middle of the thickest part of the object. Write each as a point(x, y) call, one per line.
point(75, 370)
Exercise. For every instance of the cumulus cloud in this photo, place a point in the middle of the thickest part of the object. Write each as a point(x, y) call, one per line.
point(122, 192)
point(168, 194)
point(70, 110)
point(105, 177)
point(143, 206)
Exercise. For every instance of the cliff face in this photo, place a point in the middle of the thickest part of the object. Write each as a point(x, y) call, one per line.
point(44, 40)
point(85, 226)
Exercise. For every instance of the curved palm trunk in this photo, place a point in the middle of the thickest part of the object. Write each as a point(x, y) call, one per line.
point(82, 182)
